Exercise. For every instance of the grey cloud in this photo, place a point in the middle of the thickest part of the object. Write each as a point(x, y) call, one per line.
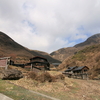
point(49, 24)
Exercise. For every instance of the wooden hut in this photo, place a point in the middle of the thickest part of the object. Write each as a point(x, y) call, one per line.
point(77, 72)
point(39, 63)
point(81, 72)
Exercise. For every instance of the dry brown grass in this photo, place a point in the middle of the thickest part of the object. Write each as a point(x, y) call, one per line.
point(90, 59)
point(46, 86)
point(32, 75)
point(45, 76)
point(72, 89)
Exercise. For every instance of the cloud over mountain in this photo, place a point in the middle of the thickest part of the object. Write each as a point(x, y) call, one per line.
point(48, 25)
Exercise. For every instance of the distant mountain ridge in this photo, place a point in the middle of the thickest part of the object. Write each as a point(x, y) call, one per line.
point(94, 39)
point(64, 53)
point(20, 54)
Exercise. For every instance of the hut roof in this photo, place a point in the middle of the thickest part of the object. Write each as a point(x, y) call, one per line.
point(5, 58)
point(70, 68)
point(80, 68)
point(38, 62)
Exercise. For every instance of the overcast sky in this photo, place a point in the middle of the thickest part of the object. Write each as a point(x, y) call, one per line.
point(48, 25)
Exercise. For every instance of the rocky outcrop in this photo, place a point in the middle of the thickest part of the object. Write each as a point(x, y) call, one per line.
point(10, 74)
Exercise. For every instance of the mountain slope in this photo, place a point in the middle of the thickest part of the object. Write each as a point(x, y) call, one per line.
point(63, 53)
point(45, 55)
point(20, 54)
point(89, 56)
point(95, 39)
point(9, 46)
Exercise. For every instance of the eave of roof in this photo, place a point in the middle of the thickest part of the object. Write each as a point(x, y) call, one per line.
point(80, 68)
point(38, 62)
point(72, 67)
point(38, 57)
point(5, 57)
point(68, 70)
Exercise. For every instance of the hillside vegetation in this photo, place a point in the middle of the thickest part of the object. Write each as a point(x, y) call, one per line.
point(51, 85)
point(68, 89)
point(89, 56)
point(19, 53)
point(64, 53)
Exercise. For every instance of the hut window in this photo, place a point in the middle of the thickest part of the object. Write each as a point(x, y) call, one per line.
point(85, 70)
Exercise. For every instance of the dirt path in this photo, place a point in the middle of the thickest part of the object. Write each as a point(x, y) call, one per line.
point(38, 93)
point(4, 97)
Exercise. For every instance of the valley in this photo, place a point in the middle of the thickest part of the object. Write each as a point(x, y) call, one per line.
point(53, 84)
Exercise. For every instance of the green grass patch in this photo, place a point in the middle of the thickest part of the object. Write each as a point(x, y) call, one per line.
point(17, 92)
point(79, 56)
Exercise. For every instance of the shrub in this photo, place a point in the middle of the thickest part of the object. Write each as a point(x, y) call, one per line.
point(60, 76)
point(32, 75)
point(45, 77)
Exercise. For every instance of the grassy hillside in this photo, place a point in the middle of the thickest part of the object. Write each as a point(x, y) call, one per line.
point(69, 89)
point(89, 56)
point(19, 53)
point(65, 89)
point(64, 53)
point(17, 93)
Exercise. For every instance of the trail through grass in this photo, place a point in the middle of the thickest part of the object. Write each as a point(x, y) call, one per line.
point(17, 92)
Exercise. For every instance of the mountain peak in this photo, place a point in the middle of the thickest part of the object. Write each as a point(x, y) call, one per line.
point(64, 53)
point(94, 39)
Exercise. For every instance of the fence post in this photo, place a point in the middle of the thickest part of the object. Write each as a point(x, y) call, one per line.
point(31, 67)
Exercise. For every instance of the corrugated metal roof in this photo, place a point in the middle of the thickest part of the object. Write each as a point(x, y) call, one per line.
point(70, 68)
point(79, 68)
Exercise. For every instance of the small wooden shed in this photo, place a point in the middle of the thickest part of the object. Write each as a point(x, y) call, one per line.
point(4, 62)
point(82, 69)
point(77, 72)
point(81, 72)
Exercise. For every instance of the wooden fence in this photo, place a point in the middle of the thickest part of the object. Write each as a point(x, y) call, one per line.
point(77, 75)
